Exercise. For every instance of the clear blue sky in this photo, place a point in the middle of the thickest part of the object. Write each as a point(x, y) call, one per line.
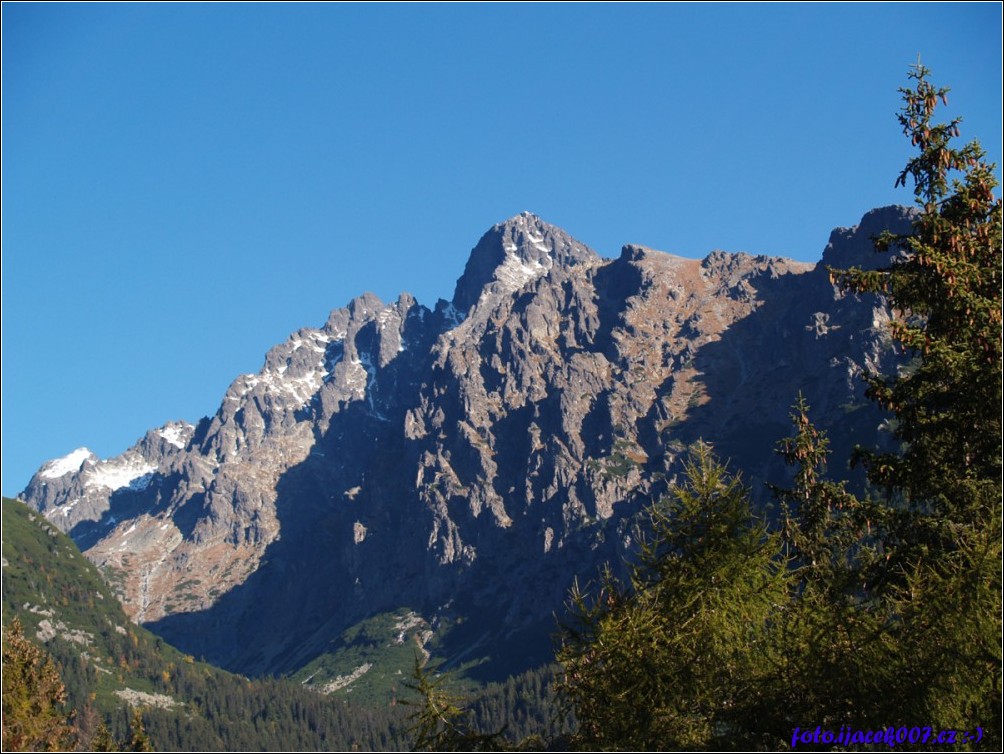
point(184, 185)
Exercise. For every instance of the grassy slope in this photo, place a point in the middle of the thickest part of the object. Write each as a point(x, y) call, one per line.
point(61, 599)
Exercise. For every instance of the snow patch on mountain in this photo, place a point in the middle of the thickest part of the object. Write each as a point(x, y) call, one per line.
point(288, 374)
point(356, 377)
point(514, 273)
point(128, 470)
point(175, 434)
point(68, 464)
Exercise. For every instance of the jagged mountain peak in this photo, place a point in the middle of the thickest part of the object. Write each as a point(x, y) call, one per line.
point(513, 253)
point(521, 219)
point(525, 222)
point(366, 304)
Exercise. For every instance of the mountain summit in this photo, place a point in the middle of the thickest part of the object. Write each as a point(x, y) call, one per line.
point(462, 465)
point(513, 253)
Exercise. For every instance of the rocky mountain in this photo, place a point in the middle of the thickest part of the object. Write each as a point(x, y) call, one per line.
point(465, 463)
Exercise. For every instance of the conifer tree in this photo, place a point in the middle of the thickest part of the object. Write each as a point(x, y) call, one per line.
point(34, 697)
point(837, 666)
point(138, 738)
point(439, 723)
point(823, 525)
point(678, 658)
point(946, 287)
point(943, 489)
point(103, 740)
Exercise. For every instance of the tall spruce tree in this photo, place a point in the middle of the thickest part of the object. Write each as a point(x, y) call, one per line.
point(941, 572)
point(946, 287)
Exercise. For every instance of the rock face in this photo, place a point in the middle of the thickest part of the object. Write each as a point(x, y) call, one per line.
point(470, 460)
